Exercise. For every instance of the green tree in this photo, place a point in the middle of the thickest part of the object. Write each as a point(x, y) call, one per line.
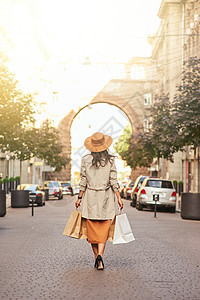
point(16, 108)
point(133, 150)
point(186, 108)
point(123, 144)
point(48, 146)
point(158, 141)
point(161, 138)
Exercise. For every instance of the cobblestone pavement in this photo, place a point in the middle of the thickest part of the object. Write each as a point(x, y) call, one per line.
point(38, 262)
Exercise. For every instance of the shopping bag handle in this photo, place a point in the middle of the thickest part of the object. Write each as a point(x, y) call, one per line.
point(120, 211)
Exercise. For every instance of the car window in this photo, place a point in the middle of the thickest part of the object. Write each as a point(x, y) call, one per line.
point(141, 181)
point(65, 184)
point(159, 184)
point(53, 183)
point(30, 188)
point(167, 184)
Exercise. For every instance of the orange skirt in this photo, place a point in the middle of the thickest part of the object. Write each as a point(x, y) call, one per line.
point(97, 231)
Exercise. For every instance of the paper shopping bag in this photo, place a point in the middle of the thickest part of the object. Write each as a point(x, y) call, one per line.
point(111, 230)
point(83, 230)
point(123, 232)
point(73, 226)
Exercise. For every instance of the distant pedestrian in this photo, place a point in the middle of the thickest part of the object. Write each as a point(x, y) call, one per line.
point(98, 186)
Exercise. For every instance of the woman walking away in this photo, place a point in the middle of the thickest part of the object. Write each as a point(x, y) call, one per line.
point(98, 186)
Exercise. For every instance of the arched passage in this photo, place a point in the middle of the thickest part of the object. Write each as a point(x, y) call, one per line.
point(66, 122)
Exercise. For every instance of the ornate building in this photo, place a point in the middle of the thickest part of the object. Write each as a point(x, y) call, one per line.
point(177, 39)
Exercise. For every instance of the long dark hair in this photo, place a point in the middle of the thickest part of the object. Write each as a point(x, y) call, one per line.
point(101, 158)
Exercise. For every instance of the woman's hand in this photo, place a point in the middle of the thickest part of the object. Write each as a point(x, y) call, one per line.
point(120, 202)
point(78, 203)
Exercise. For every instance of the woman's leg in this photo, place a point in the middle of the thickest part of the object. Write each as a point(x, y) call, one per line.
point(101, 248)
point(95, 249)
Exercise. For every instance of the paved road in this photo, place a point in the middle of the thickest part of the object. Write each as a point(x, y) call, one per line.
point(38, 262)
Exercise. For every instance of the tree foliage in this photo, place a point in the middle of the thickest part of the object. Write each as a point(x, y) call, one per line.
point(48, 146)
point(162, 134)
point(18, 134)
point(173, 126)
point(186, 105)
point(16, 108)
point(131, 148)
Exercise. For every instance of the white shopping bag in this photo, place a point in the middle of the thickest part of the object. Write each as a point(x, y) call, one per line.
point(123, 232)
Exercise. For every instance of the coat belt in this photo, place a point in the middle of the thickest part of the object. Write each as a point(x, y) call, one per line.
point(98, 188)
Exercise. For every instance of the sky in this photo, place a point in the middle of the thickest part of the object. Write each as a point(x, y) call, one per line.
point(39, 36)
point(101, 28)
point(48, 41)
point(63, 29)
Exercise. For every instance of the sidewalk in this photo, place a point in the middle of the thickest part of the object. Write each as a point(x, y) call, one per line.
point(38, 262)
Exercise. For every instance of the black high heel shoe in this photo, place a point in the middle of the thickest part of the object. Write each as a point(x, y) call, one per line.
point(96, 263)
point(100, 264)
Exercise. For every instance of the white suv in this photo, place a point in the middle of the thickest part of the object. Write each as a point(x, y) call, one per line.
point(162, 187)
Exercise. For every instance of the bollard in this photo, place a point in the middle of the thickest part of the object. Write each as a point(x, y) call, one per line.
point(32, 208)
point(155, 199)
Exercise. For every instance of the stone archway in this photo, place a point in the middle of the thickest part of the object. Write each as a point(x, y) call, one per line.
point(127, 95)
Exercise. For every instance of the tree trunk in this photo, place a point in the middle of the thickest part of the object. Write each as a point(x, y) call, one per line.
point(20, 173)
point(194, 171)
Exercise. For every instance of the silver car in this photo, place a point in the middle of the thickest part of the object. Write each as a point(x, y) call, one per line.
point(156, 186)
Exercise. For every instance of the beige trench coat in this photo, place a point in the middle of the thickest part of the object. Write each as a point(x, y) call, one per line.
point(99, 186)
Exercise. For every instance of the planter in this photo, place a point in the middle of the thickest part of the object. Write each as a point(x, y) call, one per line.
point(190, 206)
point(2, 203)
point(19, 199)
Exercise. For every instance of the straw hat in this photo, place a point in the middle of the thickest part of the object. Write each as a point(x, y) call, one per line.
point(98, 142)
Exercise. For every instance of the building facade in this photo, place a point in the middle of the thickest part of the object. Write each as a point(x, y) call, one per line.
point(177, 39)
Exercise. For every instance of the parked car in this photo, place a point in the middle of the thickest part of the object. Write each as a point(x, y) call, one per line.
point(162, 187)
point(122, 187)
point(35, 194)
point(127, 190)
point(139, 180)
point(55, 189)
point(67, 188)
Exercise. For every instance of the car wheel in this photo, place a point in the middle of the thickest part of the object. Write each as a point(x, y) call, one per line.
point(133, 203)
point(140, 207)
point(172, 209)
point(39, 201)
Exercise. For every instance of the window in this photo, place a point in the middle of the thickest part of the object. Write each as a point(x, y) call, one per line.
point(147, 124)
point(147, 99)
point(159, 184)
